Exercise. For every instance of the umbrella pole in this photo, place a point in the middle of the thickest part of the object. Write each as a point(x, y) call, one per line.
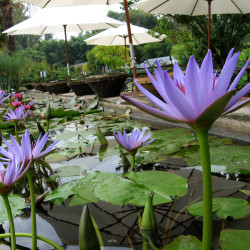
point(132, 53)
point(209, 24)
point(67, 53)
point(126, 58)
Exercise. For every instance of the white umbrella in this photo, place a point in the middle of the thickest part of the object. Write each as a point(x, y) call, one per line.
point(195, 8)
point(62, 3)
point(58, 3)
point(119, 36)
point(53, 20)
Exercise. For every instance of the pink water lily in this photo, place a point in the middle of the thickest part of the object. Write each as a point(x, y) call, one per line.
point(11, 173)
point(197, 97)
point(133, 142)
point(27, 150)
point(16, 115)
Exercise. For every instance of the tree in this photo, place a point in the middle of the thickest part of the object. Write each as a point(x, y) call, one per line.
point(112, 56)
point(6, 7)
point(227, 31)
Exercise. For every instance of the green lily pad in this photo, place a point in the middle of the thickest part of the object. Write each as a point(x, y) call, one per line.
point(188, 242)
point(224, 207)
point(119, 190)
point(60, 113)
point(235, 158)
point(17, 204)
point(82, 188)
point(69, 171)
point(231, 239)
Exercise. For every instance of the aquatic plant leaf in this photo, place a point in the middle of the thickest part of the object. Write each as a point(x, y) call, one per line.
point(93, 103)
point(119, 190)
point(235, 158)
point(82, 187)
point(231, 239)
point(69, 171)
point(188, 242)
point(17, 204)
point(165, 184)
point(60, 113)
point(223, 207)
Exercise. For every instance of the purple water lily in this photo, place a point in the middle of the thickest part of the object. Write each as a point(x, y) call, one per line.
point(2, 94)
point(27, 150)
point(11, 173)
point(197, 97)
point(16, 115)
point(133, 142)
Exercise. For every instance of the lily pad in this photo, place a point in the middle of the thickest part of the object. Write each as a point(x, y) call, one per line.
point(231, 239)
point(81, 187)
point(119, 190)
point(235, 158)
point(69, 171)
point(224, 207)
point(188, 242)
point(17, 204)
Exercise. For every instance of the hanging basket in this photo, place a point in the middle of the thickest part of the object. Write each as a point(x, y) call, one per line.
point(57, 87)
point(80, 88)
point(107, 86)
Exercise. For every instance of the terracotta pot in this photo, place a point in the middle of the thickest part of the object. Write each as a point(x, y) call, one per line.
point(107, 86)
point(80, 88)
point(57, 87)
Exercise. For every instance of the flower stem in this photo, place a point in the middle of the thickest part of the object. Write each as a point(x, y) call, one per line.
point(132, 162)
point(50, 242)
point(207, 190)
point(16, 132)
point(33, 210)
point(11, 222)
point(47, 125)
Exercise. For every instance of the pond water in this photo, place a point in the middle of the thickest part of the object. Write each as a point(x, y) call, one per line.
point(174, 151)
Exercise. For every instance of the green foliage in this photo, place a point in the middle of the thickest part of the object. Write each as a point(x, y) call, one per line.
point(17, 205)
point(112, 56)
point(116, 189)
point(231, 239)
point(188, 242)
point(224, 207)
point(10, 68)
point(227, 31)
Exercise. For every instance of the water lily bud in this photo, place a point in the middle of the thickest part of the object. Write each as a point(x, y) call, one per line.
point(87, 235)
point(47, 114)
point(148, 216)
point(101, 136)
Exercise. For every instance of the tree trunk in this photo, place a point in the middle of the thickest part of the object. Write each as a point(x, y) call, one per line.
point(7, 19)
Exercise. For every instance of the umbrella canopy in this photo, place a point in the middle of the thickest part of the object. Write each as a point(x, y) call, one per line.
point(116, 36)
point(53, 20)
point(195, 8)
point(61, 3)
point(119, 36)
point(57, 3)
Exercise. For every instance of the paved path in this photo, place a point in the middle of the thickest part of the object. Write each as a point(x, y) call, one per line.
point(235, 125)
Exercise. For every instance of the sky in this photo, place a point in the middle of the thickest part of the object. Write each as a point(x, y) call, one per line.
point(87, 10)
